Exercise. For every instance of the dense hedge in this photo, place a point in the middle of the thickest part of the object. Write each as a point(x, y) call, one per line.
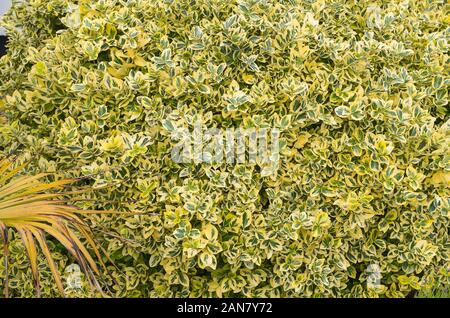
point(359, 89)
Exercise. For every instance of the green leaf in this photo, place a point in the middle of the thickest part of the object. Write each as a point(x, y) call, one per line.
point(342, 111)
point(207, 260)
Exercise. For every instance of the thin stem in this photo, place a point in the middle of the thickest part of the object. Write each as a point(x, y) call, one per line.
point(5, 253)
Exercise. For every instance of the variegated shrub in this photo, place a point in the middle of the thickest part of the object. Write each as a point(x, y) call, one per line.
point(358, 89)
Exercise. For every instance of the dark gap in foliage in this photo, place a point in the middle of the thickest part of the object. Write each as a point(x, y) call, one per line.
point(3, 42)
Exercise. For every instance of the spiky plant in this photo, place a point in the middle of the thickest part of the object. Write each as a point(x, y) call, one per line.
point(435, 293)
point(35, 211)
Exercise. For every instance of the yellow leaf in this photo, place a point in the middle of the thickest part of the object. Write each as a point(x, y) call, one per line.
point(441, 178)
point(403, 280)
point(302, 140)
point(248, 78)
point(121, 72)
point(113, 144)
point(210, 232)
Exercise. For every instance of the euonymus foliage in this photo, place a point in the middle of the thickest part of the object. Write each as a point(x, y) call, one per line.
point(359, 90)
